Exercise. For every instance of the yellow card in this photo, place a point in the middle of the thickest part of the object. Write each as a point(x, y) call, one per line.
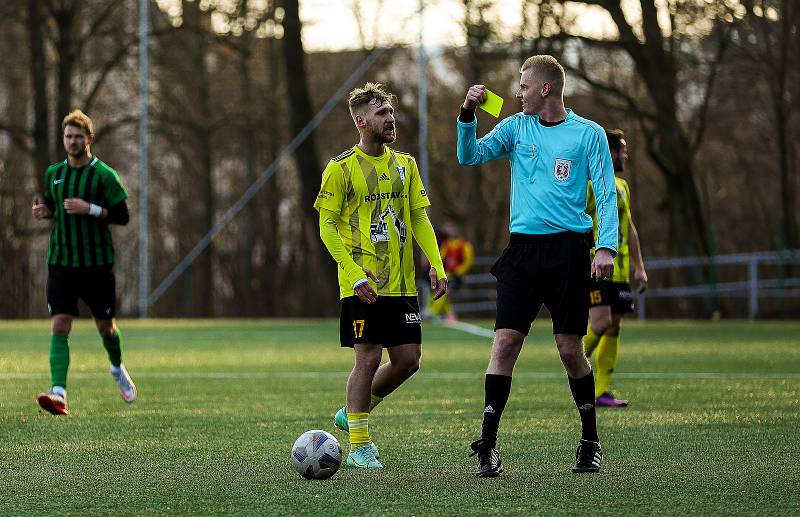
point(493, 103)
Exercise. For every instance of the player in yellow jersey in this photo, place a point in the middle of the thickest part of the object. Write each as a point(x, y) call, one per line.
point(611, 299)
point(371, 203)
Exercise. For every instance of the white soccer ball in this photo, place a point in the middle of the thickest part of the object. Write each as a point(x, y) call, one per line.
point(316, 454)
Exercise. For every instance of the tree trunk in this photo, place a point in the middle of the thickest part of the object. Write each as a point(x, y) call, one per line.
point(65, 46)
point(782, 111)
point(246, 279)
point(41, 133)
point(202, 271)
point(300, 113)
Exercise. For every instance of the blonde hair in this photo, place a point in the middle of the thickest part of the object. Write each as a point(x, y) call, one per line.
point(547, 68)
point(79, 119)
point(370, 93)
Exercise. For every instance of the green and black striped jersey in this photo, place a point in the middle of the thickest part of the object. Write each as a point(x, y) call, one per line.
point(81, 240)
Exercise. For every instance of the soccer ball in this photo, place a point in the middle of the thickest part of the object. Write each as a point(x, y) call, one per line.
point(316, 454)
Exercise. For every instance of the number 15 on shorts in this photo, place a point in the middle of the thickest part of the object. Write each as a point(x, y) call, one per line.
point(358, 328)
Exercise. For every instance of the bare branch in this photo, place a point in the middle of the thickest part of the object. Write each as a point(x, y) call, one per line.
point(19, 135)
point(108, 128)
point(98, 22)
point(631, 104)
point(709, 88)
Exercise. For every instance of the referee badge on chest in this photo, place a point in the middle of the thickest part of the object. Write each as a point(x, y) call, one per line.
point(562, 169)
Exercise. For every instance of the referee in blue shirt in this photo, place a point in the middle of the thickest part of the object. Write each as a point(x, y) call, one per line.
point(553, 154)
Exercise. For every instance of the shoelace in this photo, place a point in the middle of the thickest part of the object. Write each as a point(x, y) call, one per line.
point(367, 454)
point(122, 379)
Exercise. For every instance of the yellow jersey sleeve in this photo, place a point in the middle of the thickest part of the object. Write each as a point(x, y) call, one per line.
point(333, 190)
point(424, 234)
point(418, 196)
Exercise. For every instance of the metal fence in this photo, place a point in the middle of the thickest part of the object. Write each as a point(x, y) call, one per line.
point(754, 277)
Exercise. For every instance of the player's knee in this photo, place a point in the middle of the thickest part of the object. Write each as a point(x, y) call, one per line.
point(600, 325)
point(62, 324)
point(408, 364)
point(572, 355)
point(410, 367)
point(368, 360)
point(506, 349)
point(576, 364)
point(106, 328)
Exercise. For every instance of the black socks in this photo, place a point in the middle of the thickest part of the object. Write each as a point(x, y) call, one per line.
point(583, 393)
point(497, 387)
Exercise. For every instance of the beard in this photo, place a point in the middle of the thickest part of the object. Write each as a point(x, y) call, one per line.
point(77, 151)
point(379, 134)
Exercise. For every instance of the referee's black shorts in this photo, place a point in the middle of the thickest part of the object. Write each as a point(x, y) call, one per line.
point(95, 285)
point(390, 321)
point(550, 269)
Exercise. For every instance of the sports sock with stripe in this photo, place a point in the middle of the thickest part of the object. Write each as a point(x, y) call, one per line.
point(374, 400)
point(607, 353)
point(358, 423)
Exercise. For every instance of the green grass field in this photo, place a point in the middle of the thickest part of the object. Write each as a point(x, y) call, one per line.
point(712, 429)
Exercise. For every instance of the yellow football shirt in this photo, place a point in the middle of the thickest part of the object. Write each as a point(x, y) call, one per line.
point(622, 271)
point(373, 197)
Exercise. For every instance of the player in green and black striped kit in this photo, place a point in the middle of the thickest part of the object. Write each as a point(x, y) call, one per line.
point(83, 196)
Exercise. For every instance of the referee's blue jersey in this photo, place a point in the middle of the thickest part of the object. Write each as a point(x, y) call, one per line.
point(550, 169)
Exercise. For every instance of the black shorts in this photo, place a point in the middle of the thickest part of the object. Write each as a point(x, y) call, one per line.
point(615, 294)
point(551, 269)
point(94, 285)
point(391, 321)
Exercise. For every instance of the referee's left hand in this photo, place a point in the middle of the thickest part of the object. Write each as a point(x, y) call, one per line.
point(603, 264)
point(438, 287)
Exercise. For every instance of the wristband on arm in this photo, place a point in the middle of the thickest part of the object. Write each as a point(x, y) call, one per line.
point(95, 210)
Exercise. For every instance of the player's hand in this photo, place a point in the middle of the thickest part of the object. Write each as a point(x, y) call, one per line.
point(438, 288)
point(475, 95)
point(76, 206)
point(640, 280)
point(364, 291)
point(40, 210)
point(603, 264)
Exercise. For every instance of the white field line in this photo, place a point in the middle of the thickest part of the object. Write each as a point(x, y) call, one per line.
point(463, 326)
point(427, 375)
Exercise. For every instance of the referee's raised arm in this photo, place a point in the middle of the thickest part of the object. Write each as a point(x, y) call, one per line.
point(470, 149)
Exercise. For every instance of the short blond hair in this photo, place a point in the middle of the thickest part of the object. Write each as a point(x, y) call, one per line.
point(548, 68)
point(79, 119)
point(370, 93)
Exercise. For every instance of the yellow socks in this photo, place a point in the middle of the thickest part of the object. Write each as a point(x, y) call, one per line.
point(590, 341)
point(607, 352)
point(374, 400)
point(358, 424)
point(439, 307)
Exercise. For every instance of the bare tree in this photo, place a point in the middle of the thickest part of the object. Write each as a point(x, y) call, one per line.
point(307, 158)
point(769, 38)
point(660, 57)
point(42, 138)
